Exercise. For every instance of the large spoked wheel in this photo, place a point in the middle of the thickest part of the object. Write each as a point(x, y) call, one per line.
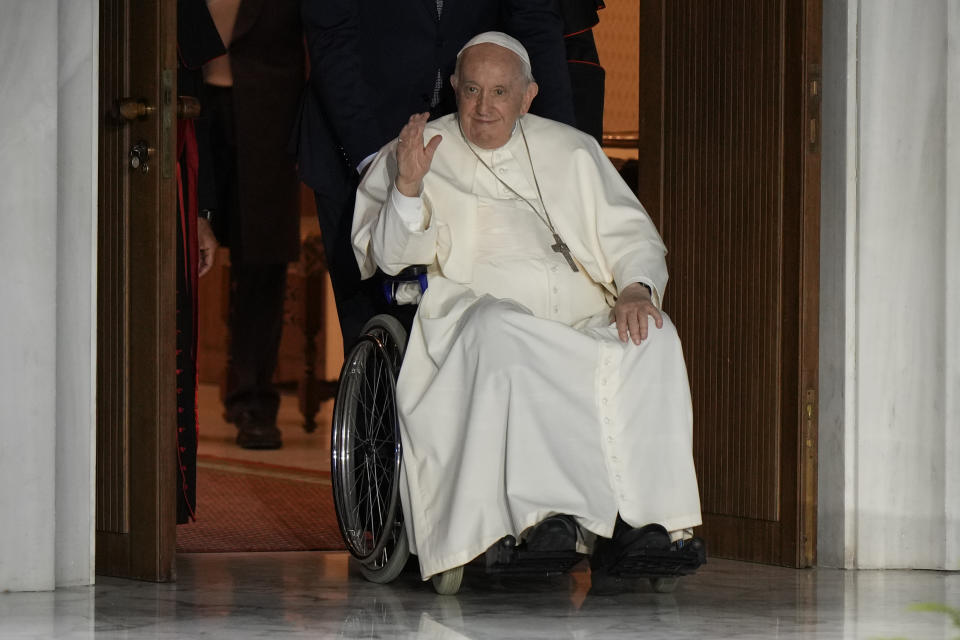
point(366, 453)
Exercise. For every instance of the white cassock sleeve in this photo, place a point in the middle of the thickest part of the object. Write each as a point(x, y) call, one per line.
point(627, 236)
point(402, 235)
point(395, 234)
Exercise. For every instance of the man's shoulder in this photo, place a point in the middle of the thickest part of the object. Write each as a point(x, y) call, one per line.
point(558, 134)
point(557, 140)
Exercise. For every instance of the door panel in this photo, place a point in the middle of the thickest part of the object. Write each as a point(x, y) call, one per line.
point(730, 174)
point(136, 307)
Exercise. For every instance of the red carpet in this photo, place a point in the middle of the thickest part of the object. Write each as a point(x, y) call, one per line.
point(260, 508)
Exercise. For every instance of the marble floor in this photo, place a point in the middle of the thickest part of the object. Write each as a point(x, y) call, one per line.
point(321, 595)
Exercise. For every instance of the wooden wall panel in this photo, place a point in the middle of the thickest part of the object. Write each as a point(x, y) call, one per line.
point(112, 300)
point(728, 96)
point(723, 222)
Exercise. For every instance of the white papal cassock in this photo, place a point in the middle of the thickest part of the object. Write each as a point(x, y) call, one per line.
point(517, 399)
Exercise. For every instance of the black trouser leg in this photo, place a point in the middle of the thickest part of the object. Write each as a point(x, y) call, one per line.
point(357, 300)
point(256, 323)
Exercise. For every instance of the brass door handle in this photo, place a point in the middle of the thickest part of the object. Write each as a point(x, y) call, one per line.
point(188, 108)
point(132, 109)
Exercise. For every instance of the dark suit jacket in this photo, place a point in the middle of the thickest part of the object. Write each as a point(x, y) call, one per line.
point(374, 63)
point(587, 77)
point(268, 63)
point(197, 43)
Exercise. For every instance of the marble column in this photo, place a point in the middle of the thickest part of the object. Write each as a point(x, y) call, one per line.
point(48, 105)
point(77, 131)
point(951, 450)
point(889, 362)
point(28, 262)
point(838, 233)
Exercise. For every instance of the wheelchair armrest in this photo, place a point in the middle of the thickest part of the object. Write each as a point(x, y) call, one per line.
point(411, 273)
point(416, 273)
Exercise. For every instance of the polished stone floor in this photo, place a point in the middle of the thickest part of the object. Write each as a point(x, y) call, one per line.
point(321, 595)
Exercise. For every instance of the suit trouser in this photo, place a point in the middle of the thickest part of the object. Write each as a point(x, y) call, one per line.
point(257, 289)
point(256, 323)
point(357, 300)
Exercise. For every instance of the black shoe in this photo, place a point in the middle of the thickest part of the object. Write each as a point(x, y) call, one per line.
point(694, 550)
point(629, 544)
point(556, 533)
point(251, 436)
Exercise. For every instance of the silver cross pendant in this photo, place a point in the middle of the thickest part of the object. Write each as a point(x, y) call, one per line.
point(562, 248)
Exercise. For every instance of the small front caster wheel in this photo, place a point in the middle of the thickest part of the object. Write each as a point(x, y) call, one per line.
point(448, 582)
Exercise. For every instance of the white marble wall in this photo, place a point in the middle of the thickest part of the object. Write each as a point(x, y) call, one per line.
point(47, 177)
point(76, 290)
point(28, 261)
point(889, 418)
point(951, 449)
point(838, 234)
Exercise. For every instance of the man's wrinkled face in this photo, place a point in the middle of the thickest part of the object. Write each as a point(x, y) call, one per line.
point(492, 93)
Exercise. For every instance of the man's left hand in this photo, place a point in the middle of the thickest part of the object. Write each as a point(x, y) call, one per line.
point(630, 313)
point(207, 245)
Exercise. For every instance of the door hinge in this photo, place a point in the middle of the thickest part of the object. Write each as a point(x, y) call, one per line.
point(810, 412)
point(814, 90)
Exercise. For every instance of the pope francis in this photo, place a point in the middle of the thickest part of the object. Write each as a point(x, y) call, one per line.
point(541, 379)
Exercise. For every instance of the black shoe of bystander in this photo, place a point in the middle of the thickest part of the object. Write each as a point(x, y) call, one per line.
point(255, 434)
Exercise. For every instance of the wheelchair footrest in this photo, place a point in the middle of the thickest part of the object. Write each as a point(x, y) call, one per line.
point(678, 560)
point(507, 558)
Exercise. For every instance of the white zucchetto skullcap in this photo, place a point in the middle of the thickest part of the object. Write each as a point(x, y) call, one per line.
point(500, 39)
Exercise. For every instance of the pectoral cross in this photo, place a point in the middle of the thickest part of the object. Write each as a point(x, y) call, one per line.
point(562, 248)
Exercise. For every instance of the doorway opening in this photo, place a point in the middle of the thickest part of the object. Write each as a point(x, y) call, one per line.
point(269, 499)
point(728, 132)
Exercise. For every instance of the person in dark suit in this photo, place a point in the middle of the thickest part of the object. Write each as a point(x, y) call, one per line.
point(586, 75)
point(251, 97)
point(373, 64)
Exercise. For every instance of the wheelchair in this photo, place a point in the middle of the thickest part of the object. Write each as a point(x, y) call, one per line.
point(366, 463)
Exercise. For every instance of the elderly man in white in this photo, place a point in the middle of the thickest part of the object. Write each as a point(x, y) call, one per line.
point(541, 379)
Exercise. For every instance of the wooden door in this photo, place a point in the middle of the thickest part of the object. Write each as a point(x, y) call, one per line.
point(136, 306)
point(729, 169)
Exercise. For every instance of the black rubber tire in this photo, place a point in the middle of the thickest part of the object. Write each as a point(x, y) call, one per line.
point(365, 449)
point(394, 559)
point(390, 331)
